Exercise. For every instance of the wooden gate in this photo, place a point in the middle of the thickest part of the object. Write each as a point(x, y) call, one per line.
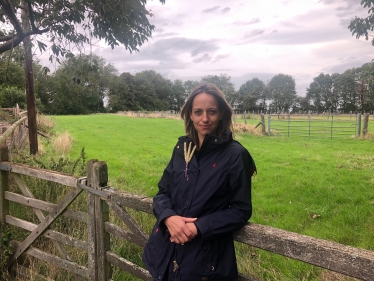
point(99, 257)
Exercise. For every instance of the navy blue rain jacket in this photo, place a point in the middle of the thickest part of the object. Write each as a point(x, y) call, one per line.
point(218, 193)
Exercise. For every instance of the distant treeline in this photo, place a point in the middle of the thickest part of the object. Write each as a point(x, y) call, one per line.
point(88, 84)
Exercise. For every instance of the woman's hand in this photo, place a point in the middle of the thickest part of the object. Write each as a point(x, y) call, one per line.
point(181, 229)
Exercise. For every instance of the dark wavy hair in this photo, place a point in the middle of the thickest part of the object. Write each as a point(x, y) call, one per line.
point(224, 125)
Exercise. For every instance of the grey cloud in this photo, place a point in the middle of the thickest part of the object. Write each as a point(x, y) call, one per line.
point(158, 30)
point(167, 34)
point(222, 70)
point(220, 57)
point(345, 22)
point(298, 36)
point(288, 24)
point(310, 32)
point(163, 53)
point(253, 21)
point(254, 33)
point(210, 10)
point(170, 47)
point(346, 8)
point(225, 10)
point(203, 58)
point(347, 2)
point(347, 63)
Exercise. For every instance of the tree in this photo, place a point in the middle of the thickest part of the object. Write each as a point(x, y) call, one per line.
point(223, 82)
point(152, 91)
point(121, 96)
point(365, 87)
point(362, 26)
point(282, 92)
point(11, 74)
point(320, 93)
point(189, 86)
point(178, 94)
point(76, 22)
point(345, 90)
point(304, 104)
point(80, 85)
point(10, 96)
point(69, 23)
point(252, 95)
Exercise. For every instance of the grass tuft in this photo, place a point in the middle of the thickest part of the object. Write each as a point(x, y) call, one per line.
point(63, 143)
point(240, 128)
point(45, 123)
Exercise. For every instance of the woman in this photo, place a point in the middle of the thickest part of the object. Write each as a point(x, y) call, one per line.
point(204, 195)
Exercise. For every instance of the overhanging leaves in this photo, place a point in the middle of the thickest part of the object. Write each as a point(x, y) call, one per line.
point(118, 22)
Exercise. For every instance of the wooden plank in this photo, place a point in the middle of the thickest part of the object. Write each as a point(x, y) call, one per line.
point(39, 173)
point(4, 185)
point(56, 261)
point(354, 262)
point(52, 234)
point(92, 253)
point(124, 234)
point(98, 179)
point(45, 206)
point(103, 239)
point(10, 130)
point(130, 222)
point(65, 202)
point(136, 202)
point(128, 266)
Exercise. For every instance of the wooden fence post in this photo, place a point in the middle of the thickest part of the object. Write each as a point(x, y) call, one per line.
point(359, 125)
point(263, 130)
point(92, 253)
point(245, 117)
point(309, 124)
point(366, 124)
point(99, 240)
point(4, 186)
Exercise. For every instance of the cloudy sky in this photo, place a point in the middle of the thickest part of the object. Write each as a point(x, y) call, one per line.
point(246, 39)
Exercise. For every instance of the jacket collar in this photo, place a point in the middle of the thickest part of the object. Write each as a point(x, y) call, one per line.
point(211, 142)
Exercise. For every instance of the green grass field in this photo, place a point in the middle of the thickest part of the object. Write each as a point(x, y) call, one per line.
point(321, 188)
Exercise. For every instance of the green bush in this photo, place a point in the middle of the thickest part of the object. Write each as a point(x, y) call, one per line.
point(10, 96)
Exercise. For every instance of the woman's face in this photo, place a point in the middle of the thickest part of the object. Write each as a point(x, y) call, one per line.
point(205, 115)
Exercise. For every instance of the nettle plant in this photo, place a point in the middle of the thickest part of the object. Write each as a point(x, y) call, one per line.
point(6, 250)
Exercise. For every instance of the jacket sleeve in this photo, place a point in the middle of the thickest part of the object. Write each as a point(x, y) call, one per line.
point(240, 207)
point(162, 207)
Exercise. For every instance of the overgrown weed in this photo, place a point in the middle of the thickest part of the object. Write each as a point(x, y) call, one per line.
point(62, 144)
point(45, 124)
point(6, 250)
point(240, 128)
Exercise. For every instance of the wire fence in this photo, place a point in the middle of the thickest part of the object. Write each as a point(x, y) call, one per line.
point(289, 125)
point(326, 126)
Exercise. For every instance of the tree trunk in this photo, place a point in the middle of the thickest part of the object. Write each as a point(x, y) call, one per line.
point(29, 75)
